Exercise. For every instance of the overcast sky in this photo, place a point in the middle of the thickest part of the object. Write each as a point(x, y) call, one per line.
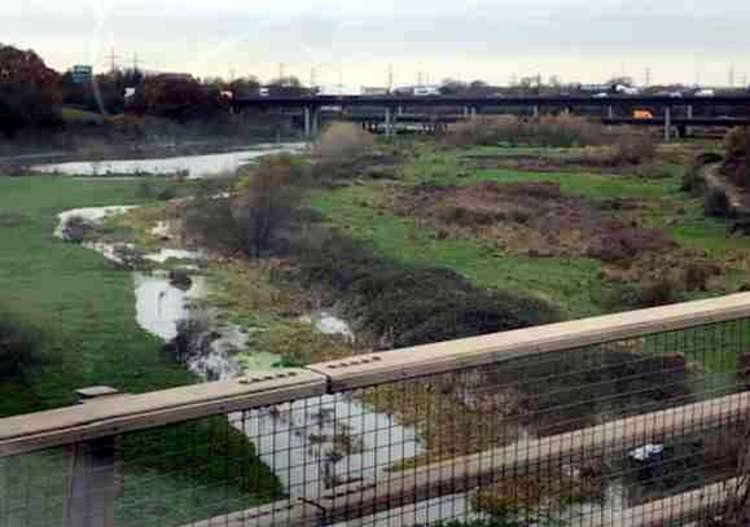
point(355, 41)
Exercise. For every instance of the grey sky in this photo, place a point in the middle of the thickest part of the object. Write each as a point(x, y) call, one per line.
point(356, 40)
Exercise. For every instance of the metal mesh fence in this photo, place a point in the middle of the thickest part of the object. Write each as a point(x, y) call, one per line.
point(646, 431)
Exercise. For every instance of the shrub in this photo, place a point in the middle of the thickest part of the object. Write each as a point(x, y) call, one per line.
point(20, 350)
point(342, 143)
point(208, 222)
point(554, 131)
point(716, 203)
point(634, 149)
point(736, 164)
point(404, 305)
point(692, 180)
point(658, 291)
point(265, 199)
point(624, 244)
point(255, 217)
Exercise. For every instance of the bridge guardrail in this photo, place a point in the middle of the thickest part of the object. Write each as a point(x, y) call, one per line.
point(570, 422)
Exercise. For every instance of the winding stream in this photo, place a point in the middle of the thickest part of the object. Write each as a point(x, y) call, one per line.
point(309, 444)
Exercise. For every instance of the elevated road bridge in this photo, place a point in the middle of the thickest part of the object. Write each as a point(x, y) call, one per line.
point(389, 109)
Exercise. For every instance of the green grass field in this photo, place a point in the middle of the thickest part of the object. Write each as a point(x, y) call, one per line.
point(572, 284)
point(84, 310)
point(575, 285)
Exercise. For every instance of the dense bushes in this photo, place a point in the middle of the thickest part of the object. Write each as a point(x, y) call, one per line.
point(340, 149)
point(716, 203)
point(693, 180)
point(19, 350)
point(554, 131)
point(255, 216)
point(341, 141)
point(736, 164)
point(405, 306)
point(634, 149)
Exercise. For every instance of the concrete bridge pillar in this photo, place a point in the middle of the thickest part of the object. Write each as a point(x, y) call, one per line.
point(308, 121)
point(610, 112)
point(667, 124)
point(535, 111)
point(473, 112)
point(389, 118)
point(689, 115)
point(315, 121)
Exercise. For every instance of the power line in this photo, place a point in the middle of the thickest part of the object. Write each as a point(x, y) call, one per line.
point(112, 60)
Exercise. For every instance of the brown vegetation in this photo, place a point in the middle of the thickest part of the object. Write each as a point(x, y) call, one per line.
point(340, 149)
point(399, 305)
point(535, 219)
point(736, 164)
point(562, 131)
point(255, 218)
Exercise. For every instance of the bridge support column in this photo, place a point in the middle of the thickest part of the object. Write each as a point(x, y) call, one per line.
point(535, 111)
point(308, 122)
point(667, 124)
point(389, 118)
point(315, 118)
point(400, 109)
point(610, 112)
point(689, 114)
point(473, 112)
point(466, 111)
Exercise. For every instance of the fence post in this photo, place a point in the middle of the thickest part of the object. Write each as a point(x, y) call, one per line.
point(91, 488)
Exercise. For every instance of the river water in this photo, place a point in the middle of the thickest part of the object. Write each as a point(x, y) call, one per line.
point(194, 167)
point(309, 444)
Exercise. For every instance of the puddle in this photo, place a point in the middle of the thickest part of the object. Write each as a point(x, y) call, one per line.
point(329, 324)
point(195, 167)
point(159, 305)
point(162, 256)
point(90, 214)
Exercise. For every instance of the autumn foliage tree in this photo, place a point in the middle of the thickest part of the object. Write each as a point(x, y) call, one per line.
point(30, 94)
point(264, 202)
point(179, 97)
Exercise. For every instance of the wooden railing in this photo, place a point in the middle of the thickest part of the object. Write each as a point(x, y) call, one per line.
point(105, 415)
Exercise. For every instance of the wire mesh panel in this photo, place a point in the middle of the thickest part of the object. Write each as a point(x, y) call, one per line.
point(644, 431)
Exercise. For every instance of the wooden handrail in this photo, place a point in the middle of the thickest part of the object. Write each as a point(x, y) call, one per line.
point(464, 473)
point(135, 412)
point(101, 418)
point(700, 504)
point(377, 368)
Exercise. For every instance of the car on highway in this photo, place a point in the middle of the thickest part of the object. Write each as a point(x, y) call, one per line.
point(705, 93)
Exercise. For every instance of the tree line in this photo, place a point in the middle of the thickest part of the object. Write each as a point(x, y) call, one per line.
point(33, 95)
